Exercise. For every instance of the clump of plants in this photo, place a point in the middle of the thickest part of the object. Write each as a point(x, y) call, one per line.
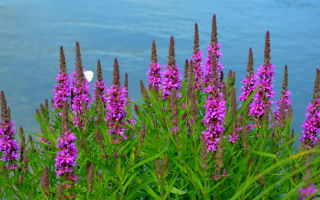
point(190, 137)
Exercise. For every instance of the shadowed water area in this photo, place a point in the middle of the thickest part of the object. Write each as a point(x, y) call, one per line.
point(32, 31)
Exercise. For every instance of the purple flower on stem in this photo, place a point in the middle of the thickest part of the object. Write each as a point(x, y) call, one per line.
point(99, 85)
point(311, 126)
point(284, 103)
point(81, 96)
point(196, 60)
point(213, 51)
point(265, 78)
point(307, 192)
point(249, 86)
point(66, 157)
point(172, 79)
point(310, 132)
point(116, 102)
point(215, 113)
point(62, 91)
point(154, 73)
point(8, 145)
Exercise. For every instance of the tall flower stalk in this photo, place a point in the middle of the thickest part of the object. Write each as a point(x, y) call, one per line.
point(99, 85)
point(62, 91)
point(81, 96)
point(213, 52)
point(154, 73)
point(284, 103)
point(66, 157)
point(171, 75)
point(311, 125)
point(215, 112)
point(116, 102)
point(249, 81)
point(8, 145)
point(265, 74)
point(196, 60)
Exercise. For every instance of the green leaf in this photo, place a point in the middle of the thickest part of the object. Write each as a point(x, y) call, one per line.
point(175, 190)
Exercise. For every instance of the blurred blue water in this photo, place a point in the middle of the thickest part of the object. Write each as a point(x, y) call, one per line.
point(32, 31)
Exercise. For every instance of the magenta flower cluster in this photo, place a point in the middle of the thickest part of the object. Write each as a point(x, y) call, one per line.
point(8, 145)
point(248, 87)
point(284, 101)
point(307, 192)
point(263, 97)
point(213, 50)
point(197, 69)
point(116, 114)
point(62, 91)
point(154, 76)
point(234, 136)
point(171, 80)
point(214, 118)
point(80, 100)
point(66, 156)
point(311, 126)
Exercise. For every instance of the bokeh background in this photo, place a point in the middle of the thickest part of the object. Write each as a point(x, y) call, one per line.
point(31, 32)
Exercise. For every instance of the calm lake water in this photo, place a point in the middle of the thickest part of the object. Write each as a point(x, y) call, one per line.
point(32, 31)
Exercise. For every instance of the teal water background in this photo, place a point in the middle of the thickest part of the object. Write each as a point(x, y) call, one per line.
point(31, 32)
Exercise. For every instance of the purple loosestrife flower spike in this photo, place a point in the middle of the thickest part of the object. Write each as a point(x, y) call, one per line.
point(215, 113)
point(284, 103)
point(213, 51)
point(265, 78)
point(62, 91)
point(81, 96)
point(99, 85)
point(8, 145)
point(116, 102)
point(249, 81)
point(310, 132)
point(154, 73)
point(197, 58)
point(307, 192)
point(65, 160)
point(172, 79)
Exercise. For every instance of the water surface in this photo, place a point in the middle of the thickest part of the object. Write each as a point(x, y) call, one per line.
point(32, 31)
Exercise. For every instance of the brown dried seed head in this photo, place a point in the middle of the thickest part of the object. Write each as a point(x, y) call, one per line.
point(250, 62)
point(63, 66)
point(171, 56)
point(5, 111)
point(196, 39)
point(267, 49)
point(285, 78)
point(317, 83)
point(45, 180)
point(154, 58)
point(79, 66)
point(126, 81)
point(214, 34)
point(186, 69)
point(99, 71)
point(23, 144)
point(136, 109)
point(90, 176)
point(233, 101)
point(116, 73)
point(144, 92)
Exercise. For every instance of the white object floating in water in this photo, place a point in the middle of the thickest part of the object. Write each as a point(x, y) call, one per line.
point(88, 75)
